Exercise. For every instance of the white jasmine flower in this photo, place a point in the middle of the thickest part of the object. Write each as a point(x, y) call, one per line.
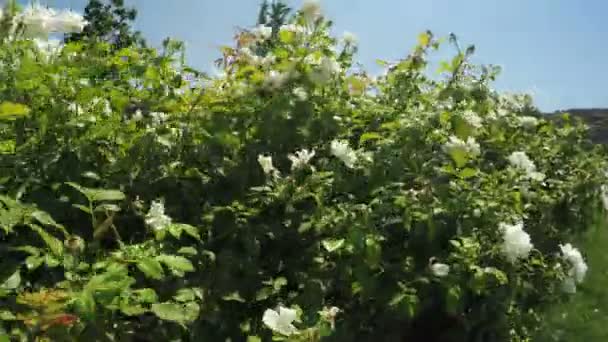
point(528, 122)
point(300, 158)
point(75, 108)
point(266, 164)
point(329, 314)
point(158, 117)
point(454, 144)
point(472, 119)
point(516, 242)
point(312, 60)
point(311, 10)
point(268, 60)
point(520, 160)
point(342, 151)
point(281, 321)
point(276, 79)
point(297, 29)
point(349, 38)
point(262, 32)
point(578, 267)
point(156, 218)
point(440, 270)
point(68, 21)
point(300, 94)
point(107, 109)
point(138, 116)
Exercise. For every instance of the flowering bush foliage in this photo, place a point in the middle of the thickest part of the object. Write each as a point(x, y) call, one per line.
point(293, 196)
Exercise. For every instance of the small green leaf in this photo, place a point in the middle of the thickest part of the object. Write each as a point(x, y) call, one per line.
point(52, 242)
point(151, 268)
point(468, 173)
point(185, 295)
point(180, 313)
point(369, 136)
point(176, 263)
point(332, 245)
point(187, 251)
point(11, 282)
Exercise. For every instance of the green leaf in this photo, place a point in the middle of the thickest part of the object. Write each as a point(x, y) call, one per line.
point(52, 242)
point(176, 263)
point(12, 111)
point(11, 282)
point(468, 173)
point(369, 136)
point(187, 251)
point(185, 295)
point(459, 156)
point(424, 39)
point(85, 305)
point(83, 208)
point(151, 268)
point(146, 295)
point(95, 195)
point(332, 245)
point(180, 313)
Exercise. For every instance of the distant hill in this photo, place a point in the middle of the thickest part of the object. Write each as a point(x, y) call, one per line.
point(596, 118)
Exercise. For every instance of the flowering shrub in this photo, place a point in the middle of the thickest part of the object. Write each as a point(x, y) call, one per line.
point(292, 196)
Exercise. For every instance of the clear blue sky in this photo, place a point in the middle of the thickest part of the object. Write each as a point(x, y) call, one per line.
point(556, 49)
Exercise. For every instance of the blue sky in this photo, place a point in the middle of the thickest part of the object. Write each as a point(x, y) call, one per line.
point(555, 49)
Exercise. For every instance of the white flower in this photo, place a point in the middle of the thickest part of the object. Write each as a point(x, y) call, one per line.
point(578, 267)
point(604, 194)
point(528, 122)
point(301, 158)
point(281, 321)
point(440, 270)
point(276, 79)
point(48, 47)
point(342, 151)
point(297, 29)
point(327, 68)
point(138, 116)
point(76, 108)
point(472, 118)
point(516, 242)
point(300, 94)
point(262, 32)
point(156, 218)
point(454, 144)
point(107, 109)
point(158, 117)
point(266, 164)
point(349, 38)
point(68, 21)
point(311, 10)
point(329, 314)
point(520, 160)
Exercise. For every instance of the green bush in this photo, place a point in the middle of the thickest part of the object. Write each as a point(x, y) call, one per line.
point(144, 200)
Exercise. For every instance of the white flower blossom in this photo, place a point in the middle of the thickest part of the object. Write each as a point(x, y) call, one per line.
point(327, 68)
point(68, 21)
point(266, 164)
point(349, 38)
point(342, 151)
point(276, 79)
point(329, 315)
point(440, 270)
point(281, 321)
point(516, 242)
point(138, 116)
point(156, 218)
point(311, 10)
point(520, 160)
point(106, 109)
point(301, 158)
point(40, 21)
point(300, 94)
point(528, 122)
point(578, 267)
point(471, 146)
point(297, 29)
point(262, 32)
point(472, 119)
point(49, 47)
point(158, 117)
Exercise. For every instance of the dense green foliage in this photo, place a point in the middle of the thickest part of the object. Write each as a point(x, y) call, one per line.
point(143, 201)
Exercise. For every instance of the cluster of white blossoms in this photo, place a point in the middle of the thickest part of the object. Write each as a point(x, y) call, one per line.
point(262, 32)
point(300, 93)
point(40, 21)
point(472, 119)
point(521, 161)
point(349, 38)
point(301, 158)
point(276, 79)
point(516, 242)
point(327, 67)
point(341, 150)
point(439, 270)
point(246, 54)
point(311, 10)
point(528, 122)
point(281, 320)
point(578, 267)
point(156, 218)
point(454, 144)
